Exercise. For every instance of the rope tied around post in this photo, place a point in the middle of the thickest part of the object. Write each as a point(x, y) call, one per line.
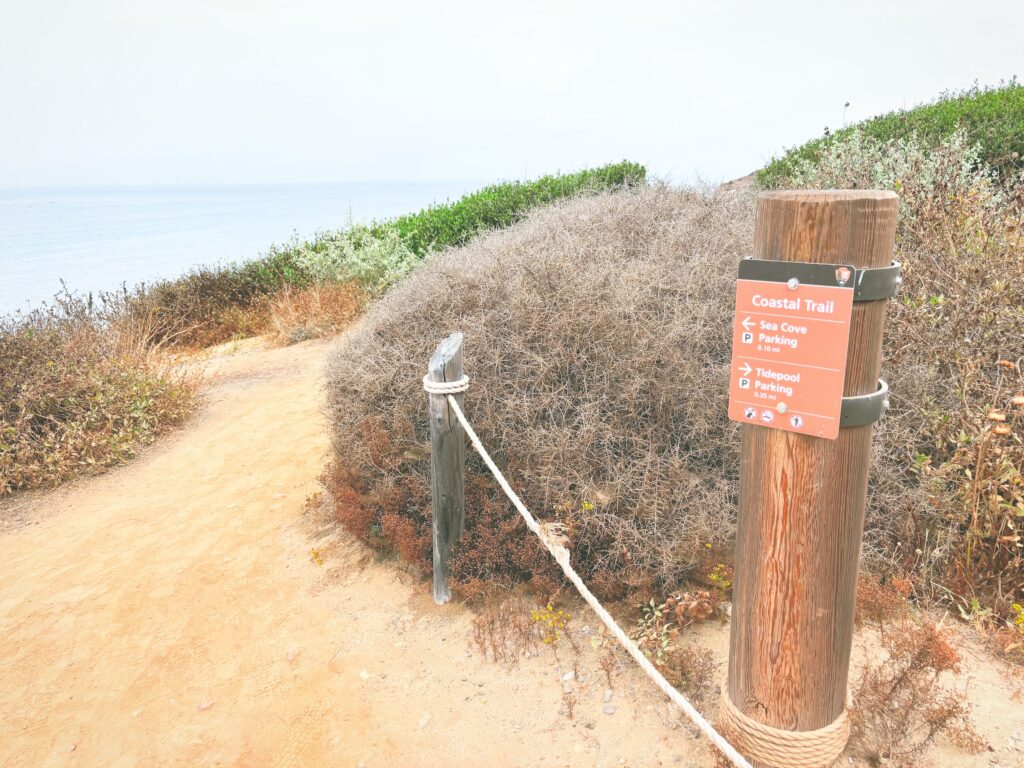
point(446, 387)
point(777, 746)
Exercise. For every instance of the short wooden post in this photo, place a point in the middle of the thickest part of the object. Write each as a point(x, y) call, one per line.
point(801, 513)
point(447, 463)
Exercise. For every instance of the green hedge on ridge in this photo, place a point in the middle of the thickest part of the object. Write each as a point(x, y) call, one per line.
point(500, 205)
point(991, 117)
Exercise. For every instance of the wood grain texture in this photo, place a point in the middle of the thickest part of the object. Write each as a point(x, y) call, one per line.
point(801, 514)
point(447, 464)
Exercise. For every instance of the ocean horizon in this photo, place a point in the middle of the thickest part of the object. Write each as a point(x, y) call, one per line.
point(97, 239)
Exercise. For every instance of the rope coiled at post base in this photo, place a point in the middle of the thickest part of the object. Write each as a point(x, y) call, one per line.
point(776, 746)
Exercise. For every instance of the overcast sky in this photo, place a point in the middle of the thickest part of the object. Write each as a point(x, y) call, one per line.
point(98, 92)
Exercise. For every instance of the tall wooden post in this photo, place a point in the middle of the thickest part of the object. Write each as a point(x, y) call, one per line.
point(447, 463)
point(801, 514)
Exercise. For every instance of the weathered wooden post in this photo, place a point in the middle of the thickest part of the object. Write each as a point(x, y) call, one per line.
point(801, 513)
point(447, 461)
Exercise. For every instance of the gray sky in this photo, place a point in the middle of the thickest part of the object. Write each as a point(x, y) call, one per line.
point(139, 92)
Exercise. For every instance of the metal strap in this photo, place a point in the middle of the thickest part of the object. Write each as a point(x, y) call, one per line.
point(877, 283)
point(865, 409)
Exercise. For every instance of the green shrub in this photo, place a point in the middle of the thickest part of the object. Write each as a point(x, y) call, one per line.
point(373, 259)
point(993, 118)
point(501, 205)
point(376, 256)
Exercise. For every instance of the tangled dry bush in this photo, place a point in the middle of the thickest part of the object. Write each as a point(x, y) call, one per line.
point(597, 339)
point(79, 391)
point(880, 603)
point(692, 670)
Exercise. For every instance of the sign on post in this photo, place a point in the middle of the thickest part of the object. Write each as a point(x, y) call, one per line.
point(790, 336)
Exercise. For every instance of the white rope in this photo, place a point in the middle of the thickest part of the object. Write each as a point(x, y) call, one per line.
point(554, 545)
point(445, 387)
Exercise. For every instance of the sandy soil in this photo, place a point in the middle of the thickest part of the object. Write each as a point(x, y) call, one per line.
point(172, 612)
point(192, 609)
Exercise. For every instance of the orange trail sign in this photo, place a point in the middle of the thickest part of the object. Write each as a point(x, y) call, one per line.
point(790, 338)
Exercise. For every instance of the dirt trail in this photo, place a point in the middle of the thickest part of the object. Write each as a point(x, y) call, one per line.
point(172, 613)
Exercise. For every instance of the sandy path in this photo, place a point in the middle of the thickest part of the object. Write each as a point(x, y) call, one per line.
point(170, 613)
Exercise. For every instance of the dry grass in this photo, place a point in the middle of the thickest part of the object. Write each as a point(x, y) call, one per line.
point(80, 391)
point(318, 310)
point(503, 630)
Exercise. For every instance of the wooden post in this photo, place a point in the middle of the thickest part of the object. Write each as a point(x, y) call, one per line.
point(801, 513)
point(447, 463)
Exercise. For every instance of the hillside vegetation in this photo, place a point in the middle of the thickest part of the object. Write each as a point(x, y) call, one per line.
point(992, 118)
point(597, 339)
point(955, 350)
point(214, 304)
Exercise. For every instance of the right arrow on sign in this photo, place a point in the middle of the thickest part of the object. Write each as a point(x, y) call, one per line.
point(746, 368)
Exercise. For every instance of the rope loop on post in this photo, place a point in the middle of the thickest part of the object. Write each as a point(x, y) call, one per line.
point(777, 746)
point(445, 387)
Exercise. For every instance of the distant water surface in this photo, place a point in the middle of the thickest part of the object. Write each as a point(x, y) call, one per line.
point(98, 238)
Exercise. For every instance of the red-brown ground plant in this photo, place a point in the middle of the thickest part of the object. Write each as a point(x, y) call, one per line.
point(901, 704)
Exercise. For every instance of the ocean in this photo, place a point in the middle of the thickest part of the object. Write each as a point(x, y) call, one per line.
point(96, 239)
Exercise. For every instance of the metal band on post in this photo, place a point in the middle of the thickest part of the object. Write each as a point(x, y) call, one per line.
point(865, 409)
point(874, 284)
point(869, 283)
